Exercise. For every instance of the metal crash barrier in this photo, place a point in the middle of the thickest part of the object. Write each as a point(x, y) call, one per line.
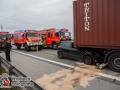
point(12, 70)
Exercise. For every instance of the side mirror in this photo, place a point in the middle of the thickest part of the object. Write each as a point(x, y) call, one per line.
point(57, 34)
point(11, 36)
point(43, 38)
point(49, 34)
point(22, 35)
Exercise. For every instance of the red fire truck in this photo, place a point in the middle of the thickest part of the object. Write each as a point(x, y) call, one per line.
point(50, 37)
point(4, 35)
point(27, 39)
point(65, 35)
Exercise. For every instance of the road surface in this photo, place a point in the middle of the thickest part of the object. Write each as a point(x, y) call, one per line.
point(36, 64)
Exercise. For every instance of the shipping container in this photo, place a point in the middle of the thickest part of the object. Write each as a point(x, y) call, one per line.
point(96, 31)
point(97, 23)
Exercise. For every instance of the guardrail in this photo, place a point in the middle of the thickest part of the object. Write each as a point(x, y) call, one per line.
point(12, 70)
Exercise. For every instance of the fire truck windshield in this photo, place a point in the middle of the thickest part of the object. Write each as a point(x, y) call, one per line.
point(32, 35)
point(4, 36)
point(65, 34)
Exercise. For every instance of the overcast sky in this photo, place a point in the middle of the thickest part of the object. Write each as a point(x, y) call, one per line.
point(36, 14)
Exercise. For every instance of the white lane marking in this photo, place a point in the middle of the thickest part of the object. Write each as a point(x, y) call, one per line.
point(109, 76)
point(69, 66)
point(44, 59)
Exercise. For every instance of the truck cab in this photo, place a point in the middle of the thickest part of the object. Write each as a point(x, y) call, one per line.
point(50, 37)
point(4, 35)
point(65, 35)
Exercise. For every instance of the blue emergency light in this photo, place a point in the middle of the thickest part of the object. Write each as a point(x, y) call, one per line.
point(30, 30)
point(25, 31)
point(21, 31)
point(62, 30)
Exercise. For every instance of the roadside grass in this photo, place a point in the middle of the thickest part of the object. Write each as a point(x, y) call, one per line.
point(13, 88)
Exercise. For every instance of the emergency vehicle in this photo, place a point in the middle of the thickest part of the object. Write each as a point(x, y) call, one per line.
point(65, 35)
point(27, 39)
point(3, 36)
point(50, 37)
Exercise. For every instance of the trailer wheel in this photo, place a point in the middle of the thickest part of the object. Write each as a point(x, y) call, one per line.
point(87, 60)
point(27, 48)
point(60, 55)
point(18, 46)
point(114, 62)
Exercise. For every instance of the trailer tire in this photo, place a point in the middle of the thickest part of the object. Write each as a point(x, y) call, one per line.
point(114, 62)
point(60, 55)
point(87, 60)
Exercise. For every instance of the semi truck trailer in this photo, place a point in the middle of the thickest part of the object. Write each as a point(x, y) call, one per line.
point(97, 31)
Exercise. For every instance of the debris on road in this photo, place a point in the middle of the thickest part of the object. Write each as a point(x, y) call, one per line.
point(67, 79)
point(102, 66)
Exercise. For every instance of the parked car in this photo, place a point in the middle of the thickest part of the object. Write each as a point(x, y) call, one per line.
point(66, 50)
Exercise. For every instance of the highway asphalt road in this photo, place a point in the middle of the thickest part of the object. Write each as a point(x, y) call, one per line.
point(46, 61)
point(52, 54)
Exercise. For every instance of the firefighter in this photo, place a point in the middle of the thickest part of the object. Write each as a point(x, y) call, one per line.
point(7, 47)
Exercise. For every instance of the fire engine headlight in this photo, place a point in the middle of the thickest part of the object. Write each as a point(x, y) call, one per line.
point(30, 44)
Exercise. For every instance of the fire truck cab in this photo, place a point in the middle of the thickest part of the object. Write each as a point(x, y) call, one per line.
point(4, 35)
point(65, 35)
point(27, 39)
point(50, 37)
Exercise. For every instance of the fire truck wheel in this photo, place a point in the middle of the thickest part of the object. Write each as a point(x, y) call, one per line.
point(18, 47)
point(27, 48)
point(40, 48)
point(54, 46)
